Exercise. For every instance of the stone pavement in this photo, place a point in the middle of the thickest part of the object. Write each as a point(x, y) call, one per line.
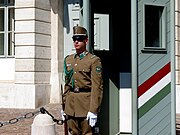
point(23, 126)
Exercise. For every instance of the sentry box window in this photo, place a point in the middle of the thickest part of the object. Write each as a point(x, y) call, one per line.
point(154, 27)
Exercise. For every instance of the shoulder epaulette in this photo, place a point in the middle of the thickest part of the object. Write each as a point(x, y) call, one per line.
point(65, 57)
point(93, 56)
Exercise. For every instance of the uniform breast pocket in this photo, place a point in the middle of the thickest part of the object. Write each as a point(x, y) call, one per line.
point(85, 72)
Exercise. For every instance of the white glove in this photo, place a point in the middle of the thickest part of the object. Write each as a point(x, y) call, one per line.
point(92, 117)
point(63, 115)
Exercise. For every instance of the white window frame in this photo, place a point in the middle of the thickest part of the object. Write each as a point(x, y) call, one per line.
point(8, 22)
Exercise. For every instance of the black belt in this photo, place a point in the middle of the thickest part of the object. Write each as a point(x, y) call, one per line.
point(77, 90)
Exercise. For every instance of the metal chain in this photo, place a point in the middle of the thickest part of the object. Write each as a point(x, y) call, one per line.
point(30, 115)
point(43, 110)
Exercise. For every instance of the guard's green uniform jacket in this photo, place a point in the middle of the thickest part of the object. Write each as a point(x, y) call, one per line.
point(83, 73)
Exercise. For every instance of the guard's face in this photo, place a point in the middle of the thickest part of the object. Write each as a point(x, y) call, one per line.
point(80, 43)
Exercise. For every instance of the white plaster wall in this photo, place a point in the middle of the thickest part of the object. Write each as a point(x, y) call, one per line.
point(56, 50)
point(6, 94)
point(7, 69)
point(23, 96)
point(33, 55)
point(177, 99)
point(17, 96)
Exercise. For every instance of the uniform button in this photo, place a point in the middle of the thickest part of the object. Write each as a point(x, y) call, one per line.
point(75, 72)
point(75, 64)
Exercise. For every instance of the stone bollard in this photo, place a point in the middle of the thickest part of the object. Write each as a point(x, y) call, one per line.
point(43, 125)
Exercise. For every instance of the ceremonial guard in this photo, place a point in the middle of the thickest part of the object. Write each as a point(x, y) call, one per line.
point(83, 90)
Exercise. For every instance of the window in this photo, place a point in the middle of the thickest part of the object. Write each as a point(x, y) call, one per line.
point(6, 28)
point(154, 27)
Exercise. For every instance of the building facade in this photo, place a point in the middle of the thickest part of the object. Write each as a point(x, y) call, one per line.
point(36, 36)
point(31, 54)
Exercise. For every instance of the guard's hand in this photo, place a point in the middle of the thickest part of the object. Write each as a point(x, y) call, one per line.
point(63, 115)
point(92, 117)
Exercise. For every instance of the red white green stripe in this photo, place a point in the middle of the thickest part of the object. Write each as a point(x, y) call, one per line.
point(158, 83)
point(154, 90)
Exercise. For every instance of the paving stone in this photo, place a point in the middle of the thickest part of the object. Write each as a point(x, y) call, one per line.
point(23, 126)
